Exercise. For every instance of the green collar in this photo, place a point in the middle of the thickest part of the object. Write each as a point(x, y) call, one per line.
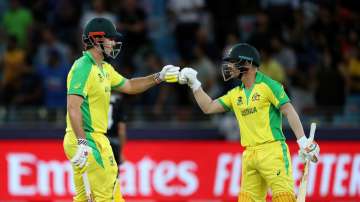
point(258, 78)
point(88, 55)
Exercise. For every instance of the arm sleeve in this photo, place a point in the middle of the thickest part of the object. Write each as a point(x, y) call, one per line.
point(225, 101)
point(117, 80)
point(79, 84)
point(277, 95)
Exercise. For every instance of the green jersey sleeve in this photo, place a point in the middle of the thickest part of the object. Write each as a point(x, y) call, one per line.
point(117, 80)
point(225, 101)
point(277, 95)
point(79, 78)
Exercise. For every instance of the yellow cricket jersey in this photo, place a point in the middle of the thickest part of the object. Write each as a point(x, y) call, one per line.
point(94, 84)
point(257, 110)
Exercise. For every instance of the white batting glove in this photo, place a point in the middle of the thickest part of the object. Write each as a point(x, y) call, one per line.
point(169, 74)
point(308, 150)
point(82, 153)
point(188, 76)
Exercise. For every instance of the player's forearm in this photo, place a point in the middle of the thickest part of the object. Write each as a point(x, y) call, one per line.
point(204, 100)
point(76, 122)
point(141, 84)
point(294, 121)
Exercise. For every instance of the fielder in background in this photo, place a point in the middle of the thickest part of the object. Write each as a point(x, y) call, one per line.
point(89, 85)
point(117, 127)
point(258, 104)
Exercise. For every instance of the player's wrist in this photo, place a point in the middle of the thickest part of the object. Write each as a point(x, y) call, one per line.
point(82, 141)
point(157, 78)
point(303, 142)
point(196, 84)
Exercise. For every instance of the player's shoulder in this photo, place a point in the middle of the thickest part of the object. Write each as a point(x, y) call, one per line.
point(82, 63)
point(266, 80)
point(110, 68)
point(107, 65)
point(81, 67)
point(234, 91)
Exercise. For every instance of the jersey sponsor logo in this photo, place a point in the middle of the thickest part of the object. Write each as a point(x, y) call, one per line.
point(248, 111)
point(29, 174)
point(239, 101)
point(255, 97)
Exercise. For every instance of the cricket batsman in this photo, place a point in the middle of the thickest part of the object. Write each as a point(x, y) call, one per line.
point(258, 104)
point(89, 84)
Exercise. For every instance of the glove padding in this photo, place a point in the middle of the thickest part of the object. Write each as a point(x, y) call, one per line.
point(169, 74)
point(82, 153)
point(308, 150)
point(188, 76)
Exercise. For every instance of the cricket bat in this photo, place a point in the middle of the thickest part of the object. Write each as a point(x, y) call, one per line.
point(304, 179)
point(87, 187)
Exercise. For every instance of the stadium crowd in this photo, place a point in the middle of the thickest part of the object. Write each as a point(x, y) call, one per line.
point(311, 47)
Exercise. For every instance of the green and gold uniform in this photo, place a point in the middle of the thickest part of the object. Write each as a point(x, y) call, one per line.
point(94, 84)
point(266, 159)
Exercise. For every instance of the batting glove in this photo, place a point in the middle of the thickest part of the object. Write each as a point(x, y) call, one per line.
point(188, 76)
point(82, 153)
point(169, 74)
point(308, 150)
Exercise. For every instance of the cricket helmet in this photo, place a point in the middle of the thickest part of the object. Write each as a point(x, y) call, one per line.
point(96, 30)
point(241, 54)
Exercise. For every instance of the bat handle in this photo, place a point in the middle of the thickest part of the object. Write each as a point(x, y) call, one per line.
point(312, 131)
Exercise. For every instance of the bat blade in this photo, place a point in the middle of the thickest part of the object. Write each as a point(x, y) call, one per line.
point(303, 184)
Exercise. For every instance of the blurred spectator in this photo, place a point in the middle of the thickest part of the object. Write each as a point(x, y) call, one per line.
point(324, 27)
point(41, 10)
point(224, 17)
point(17, 21)
point(99, 9)
point(51, 42)
point(230, 40)
point(159, 30)
point(351, 53)
point(354, 71)
point(2, 51)
point(187, 16)
point(207, 73)
point(284, 55)
point(14, 60)
point(25, 89)
point(271, 67)
point(203, 41)
point(53, 75)
point(66, 17)
point(27, 92)
point(330, 91)
point(277, 9)
point(3, 8)
point(262, 31)
point(132, 24)
point(155, 98)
